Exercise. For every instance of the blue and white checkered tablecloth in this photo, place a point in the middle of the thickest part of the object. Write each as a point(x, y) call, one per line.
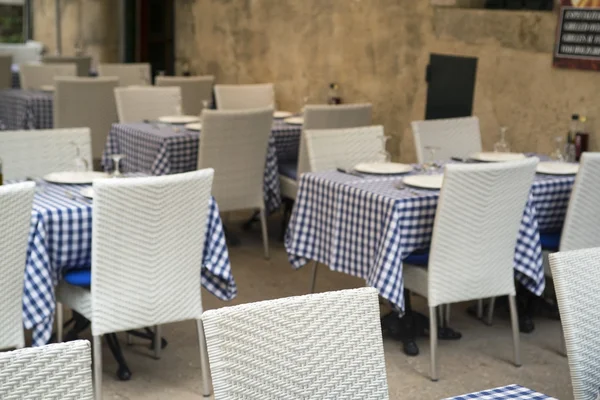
point(60, 239)
point(161, 149)
point(15, 80)
point(26, 109)
point(504, 393)
point(365, 226)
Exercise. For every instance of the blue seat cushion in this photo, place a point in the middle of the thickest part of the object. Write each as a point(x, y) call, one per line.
point(550, 241)
point(418, 257)
point(79, 277)
point(289, 169)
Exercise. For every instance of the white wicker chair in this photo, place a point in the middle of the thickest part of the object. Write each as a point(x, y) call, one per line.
point(473, 244)
point(453, 137)
point(234, 144)
point(35, 153)
point(576, 280)
point(23, 53)
point(135, 104)
point(56, 371)
point(147, 243)
point(15, 213)
point(86, 102)
point(5, 71)
point(242, 97)
point(34, 76)
point(319, 346)
point(194, 91)
point(134, 74)
point(82, 63)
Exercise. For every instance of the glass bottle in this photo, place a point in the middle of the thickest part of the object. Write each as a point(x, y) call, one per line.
point(570, 143)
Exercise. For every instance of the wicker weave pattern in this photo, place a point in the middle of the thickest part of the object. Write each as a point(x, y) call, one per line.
point(576, 280)
point(321, 346)
point(244, 97)
point(136, 104)
point(15, 213)
point(332, 148)
point(35, 153)
point(454, 137)
point(56, 371)
point(34, 76)
point(234, 144)
point(194, 90)
point(582, 223)
point(5, 71)
point(132, 74)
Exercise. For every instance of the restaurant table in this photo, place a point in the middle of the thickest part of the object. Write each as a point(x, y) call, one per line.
point(161, 149)
point(60, 239)
point(504, 393)
point(365, 227)
point(26, 109)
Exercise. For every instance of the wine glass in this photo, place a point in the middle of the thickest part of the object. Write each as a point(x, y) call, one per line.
point(557, 154)
point(387, 157)
point(116, 158)
point(305, 101)
point(431, 165)
point(502, 146)
point(205, 105)
point(80, 163)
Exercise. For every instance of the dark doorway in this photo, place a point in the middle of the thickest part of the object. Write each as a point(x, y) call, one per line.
point(450, 86)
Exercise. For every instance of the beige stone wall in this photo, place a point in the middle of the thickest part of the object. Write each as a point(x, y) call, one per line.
point(378, 49)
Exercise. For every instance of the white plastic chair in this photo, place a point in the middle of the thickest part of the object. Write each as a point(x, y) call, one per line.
point(319, 346)
point(5, 71)
point(243, 97)
point(474, 237)
point(56, 371)
point(136, 104)
point(234, 144)
point(86, 102)
point(23, 53)
point(576, 281)
point(133, 74)
point(453, 137)
point(34, 76)
point(195, 90)
point(35, 153)
point(16, 202)
point(147, 243)
point(82, 63)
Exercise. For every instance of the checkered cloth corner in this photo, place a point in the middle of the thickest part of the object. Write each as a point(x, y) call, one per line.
point(26, 109)
point(16, 80)
point(504, 393)
point(60, 240)
point(159, 149)
point(365, 226)
point(287, 140)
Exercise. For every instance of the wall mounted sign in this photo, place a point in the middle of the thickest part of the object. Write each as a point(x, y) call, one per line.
point(578, 35)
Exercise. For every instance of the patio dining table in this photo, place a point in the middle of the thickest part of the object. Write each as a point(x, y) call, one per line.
point(504, 393)
point(26, 109)
point(366, 226)
point(60, 239)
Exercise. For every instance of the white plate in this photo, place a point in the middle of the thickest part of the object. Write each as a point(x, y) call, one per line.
point(557, 168)
point(294, 120)
point(178, 119)
point(282, 114)
point(194, 126)
point(497, 157)
point(87, 192)
point(424, 181)
point(75, 178)
point(47, 88)
point(383, 168)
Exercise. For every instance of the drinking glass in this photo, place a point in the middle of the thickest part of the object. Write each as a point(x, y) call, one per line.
point(80, 163)
point(387, 157)
point(116, 158)
point(305, 101)
point(502, 146)
point(557, 154)
point(431, 165)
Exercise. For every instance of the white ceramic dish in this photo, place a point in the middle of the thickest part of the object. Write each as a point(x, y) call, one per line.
point(178, 119)
point(87, 192)
point(282, 114)
point(497, 157)
point(194, 126)
point(75, 178)
point(294, 120)
point(383, 168)
point(557, 168)
point(47, 88)
point(424, 181)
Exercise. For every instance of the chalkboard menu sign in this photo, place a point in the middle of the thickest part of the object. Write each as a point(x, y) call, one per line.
point(578, 35)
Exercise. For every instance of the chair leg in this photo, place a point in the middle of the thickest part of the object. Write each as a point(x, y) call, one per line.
point(447, 316)
point(563, 344)
point(203, 359)
point(157, 342)
point(514, 320)
point(490, 311)
point(97, 349)
point(129, 338)
point(480, 308)
point(59, 322)
point(314, 277)
point(265, 235)
point(433, 338)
